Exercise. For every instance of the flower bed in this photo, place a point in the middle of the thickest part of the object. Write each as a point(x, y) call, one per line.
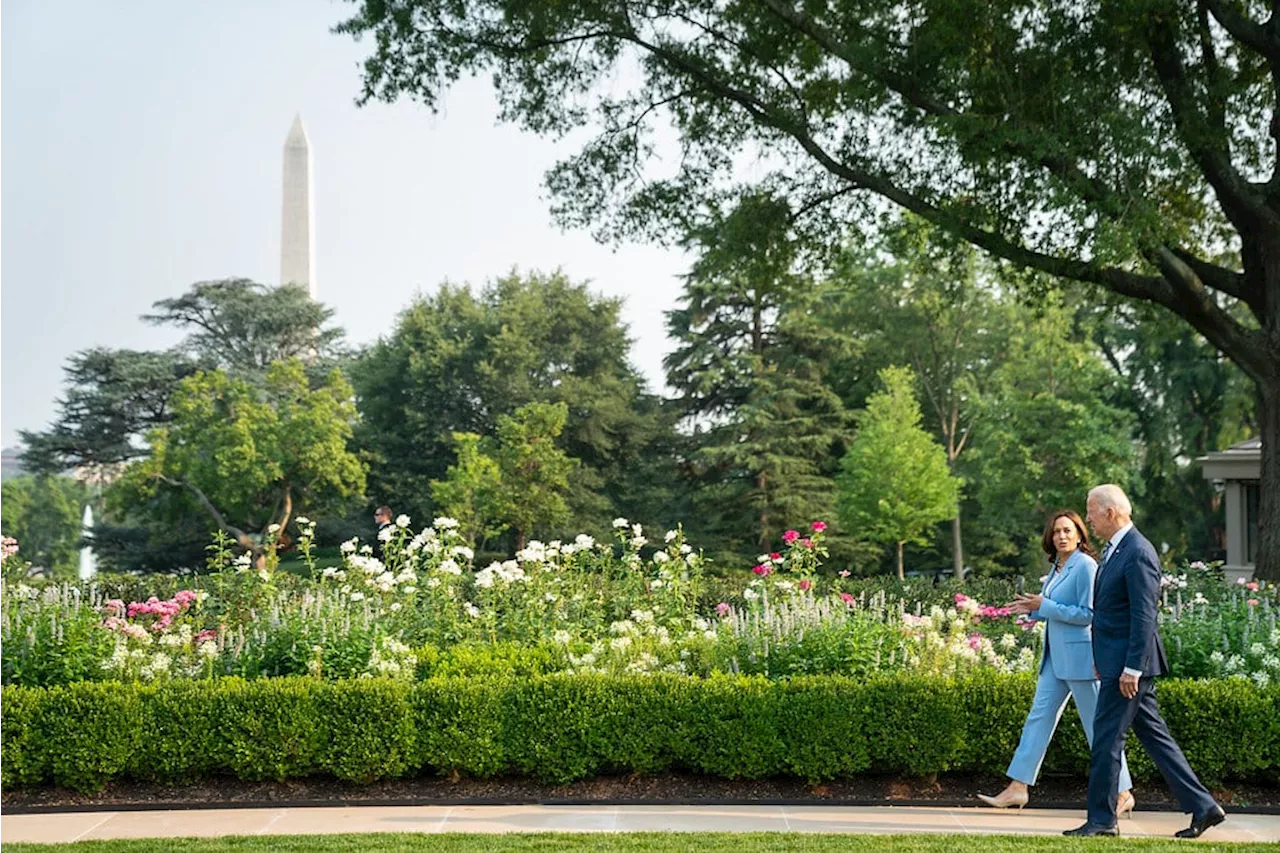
point(581, 606)
point(565, 727)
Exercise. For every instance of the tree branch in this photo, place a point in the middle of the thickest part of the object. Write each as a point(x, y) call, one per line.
point(238, 534)
point(1227, 281)
point(1247, 347)
point(1206, 140)
point(1260, 38)
point(1092, 189)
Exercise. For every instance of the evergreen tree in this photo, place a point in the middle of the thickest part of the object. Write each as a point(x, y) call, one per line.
point(749, 367)
point(894, 483)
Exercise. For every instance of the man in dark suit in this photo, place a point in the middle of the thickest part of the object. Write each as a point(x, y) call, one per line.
point(382, 518)
point(1128, 655)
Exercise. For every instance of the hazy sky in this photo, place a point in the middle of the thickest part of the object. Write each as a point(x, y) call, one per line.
point(141, 145)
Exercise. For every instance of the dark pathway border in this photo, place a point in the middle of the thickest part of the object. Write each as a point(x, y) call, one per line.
point(668, 789)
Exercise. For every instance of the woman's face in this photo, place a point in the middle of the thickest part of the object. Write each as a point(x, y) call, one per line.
point(1065, 536)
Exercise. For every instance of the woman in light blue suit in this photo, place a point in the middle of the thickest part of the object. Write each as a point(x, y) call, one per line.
point(1065, 604)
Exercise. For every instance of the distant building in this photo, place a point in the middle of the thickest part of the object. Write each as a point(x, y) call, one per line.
point(1237, 472)
point(10, 462)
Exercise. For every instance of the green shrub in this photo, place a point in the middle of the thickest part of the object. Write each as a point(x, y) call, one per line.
point(369, 728)
point(88, 732)
point(179, 725)
point(22, 758)
point(461, 725)
point(916, 724)
point(564, 727)
point(270, 729)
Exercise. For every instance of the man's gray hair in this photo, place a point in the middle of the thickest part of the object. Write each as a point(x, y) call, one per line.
point(1111, 495)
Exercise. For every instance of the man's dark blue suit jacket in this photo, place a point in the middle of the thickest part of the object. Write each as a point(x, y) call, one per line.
point(1126, 600)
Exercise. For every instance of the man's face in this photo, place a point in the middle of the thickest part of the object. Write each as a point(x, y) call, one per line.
point(1101, 520)
point(381, 518)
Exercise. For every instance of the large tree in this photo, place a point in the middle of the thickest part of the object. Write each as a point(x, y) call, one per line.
point(748, 366)
point(459, 359)
point(247, 456)
point(1127, 145)
point(927, 301)
point(114, 397)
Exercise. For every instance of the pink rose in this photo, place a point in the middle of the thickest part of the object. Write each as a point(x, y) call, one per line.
point(762, 570)
point(819, 526)
point(805, 586)
point(1253, 602)
point(790, 536)
point(961, 598)
point(808, 543)
point(723, 608)
point(846, 598)
point(1252, 586)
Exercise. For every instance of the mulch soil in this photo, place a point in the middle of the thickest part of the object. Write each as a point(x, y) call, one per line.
point(665, 789)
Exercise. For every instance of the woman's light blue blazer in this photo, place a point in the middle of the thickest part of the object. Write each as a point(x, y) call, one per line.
point(1067, 612)
point(1066, 668)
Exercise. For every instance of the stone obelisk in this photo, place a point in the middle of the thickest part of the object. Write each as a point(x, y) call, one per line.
point(298, 220)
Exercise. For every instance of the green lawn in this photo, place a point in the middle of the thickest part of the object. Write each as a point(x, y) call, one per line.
point(649, 842)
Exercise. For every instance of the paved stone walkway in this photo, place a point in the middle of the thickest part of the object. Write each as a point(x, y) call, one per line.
point(75, 826)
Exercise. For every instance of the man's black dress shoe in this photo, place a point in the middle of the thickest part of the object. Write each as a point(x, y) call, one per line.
point(1089, 830)
point(1200, 824)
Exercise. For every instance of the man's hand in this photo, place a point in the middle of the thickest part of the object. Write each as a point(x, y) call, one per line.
point(1128, 685)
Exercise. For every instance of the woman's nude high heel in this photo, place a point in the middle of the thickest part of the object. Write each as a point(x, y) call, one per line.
point(1125, 804)
point(1005, 799)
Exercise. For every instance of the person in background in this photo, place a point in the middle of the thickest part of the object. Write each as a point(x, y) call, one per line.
point(382, 517)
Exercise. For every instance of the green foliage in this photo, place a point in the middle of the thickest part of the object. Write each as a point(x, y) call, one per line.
point(357, 751)
point(749, 365)
point(1048, 434)
point(271, 732)
point(43, 513)
point(895, 484)
point(561, 728)
point(535, 472)
point(472, 491)
point(244, 327)
point(115, 397)
point(1188, 400)
point(458, 360)
point(252, 453)
point(1116, 146)
point(95, 729)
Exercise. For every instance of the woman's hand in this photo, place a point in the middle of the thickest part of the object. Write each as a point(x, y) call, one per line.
point(1025, 603)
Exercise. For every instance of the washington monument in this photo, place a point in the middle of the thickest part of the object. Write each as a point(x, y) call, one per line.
point(298, 220)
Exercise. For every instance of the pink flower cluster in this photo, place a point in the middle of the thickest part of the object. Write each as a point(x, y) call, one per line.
point(983, 611)
point(8, 547)
point(763, 570)
point(166, 611)
point(723, 608)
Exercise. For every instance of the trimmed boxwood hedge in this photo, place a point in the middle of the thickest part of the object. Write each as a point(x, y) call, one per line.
point(559, 728)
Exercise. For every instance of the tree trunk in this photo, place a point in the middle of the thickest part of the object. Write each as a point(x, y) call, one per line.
point(1268, 559)
point(957, 550)
point(901, 574)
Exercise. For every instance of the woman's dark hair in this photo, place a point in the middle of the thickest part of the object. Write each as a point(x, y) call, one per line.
point(1046, 541)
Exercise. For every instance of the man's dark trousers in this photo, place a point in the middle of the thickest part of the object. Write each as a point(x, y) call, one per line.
point(1111, 723)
